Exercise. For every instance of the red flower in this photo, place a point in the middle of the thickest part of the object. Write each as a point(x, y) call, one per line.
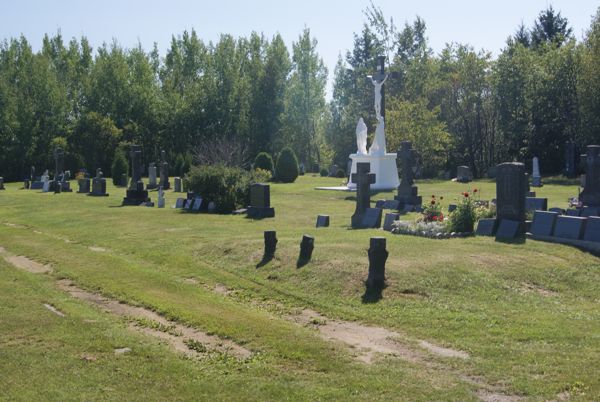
point(466, 194)
point(434, 218)
point(432, 196)
point(474, 190)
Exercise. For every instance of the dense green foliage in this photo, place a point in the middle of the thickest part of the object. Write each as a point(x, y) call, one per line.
point(119, 167)
point(264, 161)
point(228, 187)
point(252, 94)
point(287, 166)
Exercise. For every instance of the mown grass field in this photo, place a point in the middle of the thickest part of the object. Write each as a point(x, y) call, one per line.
point(527, 314)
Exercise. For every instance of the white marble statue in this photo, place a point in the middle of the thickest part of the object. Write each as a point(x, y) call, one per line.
point(377, 86)
point(361, 137)
point(378, 145)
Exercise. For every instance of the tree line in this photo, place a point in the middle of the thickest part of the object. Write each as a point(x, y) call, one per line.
point(224, 102)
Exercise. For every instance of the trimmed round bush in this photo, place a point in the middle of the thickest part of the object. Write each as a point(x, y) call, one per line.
point(287, 166)
point(263, 161)
point(119, 168)
point(324, 172)
point(340, 173)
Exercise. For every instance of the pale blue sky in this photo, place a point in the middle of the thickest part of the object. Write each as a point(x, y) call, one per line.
point(483, 24)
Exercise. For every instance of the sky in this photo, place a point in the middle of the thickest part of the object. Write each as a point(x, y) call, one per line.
point(483, 24)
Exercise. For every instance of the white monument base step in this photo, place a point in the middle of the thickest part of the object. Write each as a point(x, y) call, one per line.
point(385, 169)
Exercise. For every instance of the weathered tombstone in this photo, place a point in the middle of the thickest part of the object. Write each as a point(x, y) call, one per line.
point(307, 246)
point(197, 205)
point(592, 229)
point(486, 227)
point(177, 184)
point(180, 203)
point(189, 203)
point(570, 168)
point(363, 180)
point(270, 244)
point(260, 201)
point(99, 185)
point(590, 195)
point(389, 219)
point(573, 212)
point(569, 227)
point(510, 194)
point(322, 221)
point(333, 170)
point(212, 207)
point(45, 182)
point(464, 174)
point(377, 257)
point(543, 223)
point(536, 204)
point(407, 191)
point(152, 182)
point(164, 171)
point(590, 211)
point(161, 198)
point(123, 180)
point(509, 229)
point(536, 177)
point(136, 194)
point(84, 186)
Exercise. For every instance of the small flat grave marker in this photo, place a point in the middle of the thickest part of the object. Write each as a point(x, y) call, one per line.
point(390, 218)
point(180, 203)
point(508, 229)
point(543, 223)
point(592, 229)
point(486, 227)
point(590, 211)
point(372, 218)
point(322, 221)
point(391, 204)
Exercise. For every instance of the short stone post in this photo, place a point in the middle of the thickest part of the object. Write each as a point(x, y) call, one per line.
point(306, 248)
point(377, 257)
point(270, 244)
point(177, 181)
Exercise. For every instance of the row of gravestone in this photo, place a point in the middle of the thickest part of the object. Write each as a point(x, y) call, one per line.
point(552, 224)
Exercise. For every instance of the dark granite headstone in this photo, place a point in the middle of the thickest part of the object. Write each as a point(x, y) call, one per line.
point(270, 244)
point(573, 212)
point(99, 185)
point(136, 194)
point(379, 204)
point(260, 201)
point(363, 180)
point(322, 221)
point(180, 203)
point(510, 195)
point(486, 227)
point(188, 204)
point(84, 186)
point(569, 227)
point(509, 229)
point(463, 174)
point(592, 229)
point(377, 257)
point(530, 194)
point(389, 219)
point(590, 211)
point(543, 223)
point(407, 191)
point(590, 195)
point(391, 204)
point(307, 246)
point(372, 218)
point(536, 204)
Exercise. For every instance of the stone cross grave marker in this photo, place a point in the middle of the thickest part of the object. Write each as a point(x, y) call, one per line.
point(407, 191)
point(363, 180)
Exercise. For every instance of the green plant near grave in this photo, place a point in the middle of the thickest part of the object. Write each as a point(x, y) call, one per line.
point(463, 218)
point(119, 167)
point(228, 187)
point(287, 166)
point(324, 172)
point(263, 161)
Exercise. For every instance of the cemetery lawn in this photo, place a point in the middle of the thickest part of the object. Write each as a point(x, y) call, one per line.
point(527, 315)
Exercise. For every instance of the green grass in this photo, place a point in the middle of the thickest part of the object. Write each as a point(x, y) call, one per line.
point(528, 314)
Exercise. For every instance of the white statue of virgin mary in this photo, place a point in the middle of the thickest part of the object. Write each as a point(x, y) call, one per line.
point(361, 137)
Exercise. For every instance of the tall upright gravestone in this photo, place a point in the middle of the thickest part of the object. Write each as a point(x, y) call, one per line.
point(136, 194)
point(407, 191)
point(510, 198)
point(364, 216)
point(164, 172)
point(590, 196)
point(152, 183)
point(536, 177)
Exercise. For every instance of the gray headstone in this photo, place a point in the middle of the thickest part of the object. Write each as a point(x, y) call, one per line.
point(152, 178)
point(536, 204)
point(260, 195)
point(177, 181)
point(463, 174)
point(84, 186)
point(569, 227)
point(486, 227)
point(391, 204)
point(180, 203)
point(592, 229)
point(509, 230)
point(372, 218)
point(197, 205)
point(322, 221)
point(543, 223)
point(389, 219)
point(591, 192)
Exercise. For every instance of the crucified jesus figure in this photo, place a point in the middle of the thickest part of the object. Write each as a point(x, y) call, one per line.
point(378, 86)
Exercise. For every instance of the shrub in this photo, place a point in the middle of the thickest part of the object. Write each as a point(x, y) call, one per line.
point(324, 172)
point(287, 166)
point(178, 167)
point(119, 167)
point(340, 173)
point(227, 187)
point(463, 218)
point(263, 161)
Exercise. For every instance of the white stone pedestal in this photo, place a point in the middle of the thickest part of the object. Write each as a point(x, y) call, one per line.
point(384, 167)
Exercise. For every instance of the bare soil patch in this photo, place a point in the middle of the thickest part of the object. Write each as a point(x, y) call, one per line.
point(97, 249)
point(26, 264)
point(182, 338)
point(531, 288)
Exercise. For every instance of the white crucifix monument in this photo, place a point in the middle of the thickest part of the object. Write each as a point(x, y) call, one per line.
point(383, 164)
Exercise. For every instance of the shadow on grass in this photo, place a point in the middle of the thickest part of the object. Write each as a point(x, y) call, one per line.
point(518, 240)
point(265, 260)
point(373, 294)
